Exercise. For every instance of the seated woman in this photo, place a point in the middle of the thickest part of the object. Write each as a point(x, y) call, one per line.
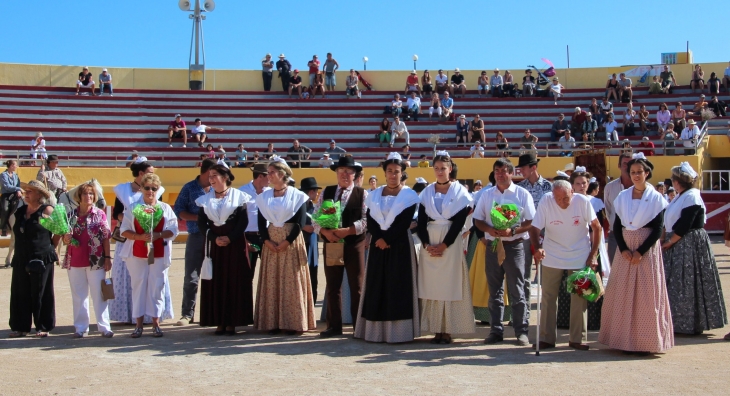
point(713, 84)
point(528, 84)
point(483, 84)
point(509, 84)
point(502, 145)
point(318, 86)
point(435, 106)
point(643, 116)
point(426, 84)
point(384, 134)
point(698, 79)
point(612, 88)
point(663, 117)
point(678, 117)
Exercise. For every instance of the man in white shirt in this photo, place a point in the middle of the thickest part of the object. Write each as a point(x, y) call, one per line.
point(442, 82)
point(477, 151)
point(610, 127)
point(610, 192)
point(200, 131)
point(513, 266)
point(398, 129)
point(258, 185)
point(570, 225)
point(566, 142)
point(556, 89)
point(413, 106)
point(689, 137)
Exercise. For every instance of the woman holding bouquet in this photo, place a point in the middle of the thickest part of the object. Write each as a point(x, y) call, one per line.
point(150, 227)
point(443, 281)
point(636, 317)
point(284, 298)
point(693, 283)
point(389, 303)
point(226, 301)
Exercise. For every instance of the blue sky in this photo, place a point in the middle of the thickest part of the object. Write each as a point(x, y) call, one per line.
point(461, 34)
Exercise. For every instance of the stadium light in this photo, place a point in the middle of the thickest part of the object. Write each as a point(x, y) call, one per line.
point(415, 59)
point(196, 71)
point(364, 62)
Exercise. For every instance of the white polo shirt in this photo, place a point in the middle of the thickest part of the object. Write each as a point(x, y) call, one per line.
point(567, 241)
point(514, 194)
point(441, 80)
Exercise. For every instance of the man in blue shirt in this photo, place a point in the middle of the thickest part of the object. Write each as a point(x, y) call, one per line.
point(447, 104)
point(186, 209)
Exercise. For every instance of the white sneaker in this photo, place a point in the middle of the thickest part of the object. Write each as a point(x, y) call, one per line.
point(184, 146)
point(170, 145)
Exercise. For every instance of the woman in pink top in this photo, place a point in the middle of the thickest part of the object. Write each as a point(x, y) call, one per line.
point(663, 117)
point(87, 255)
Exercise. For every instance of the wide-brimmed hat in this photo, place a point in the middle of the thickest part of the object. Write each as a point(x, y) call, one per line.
point(309, 183)
point(346, 161)
point(282, 55)
point(691, 122)
point(528, 159)
point(52, 157)
point(569, 167)
point(38, 186)
point(261, 168)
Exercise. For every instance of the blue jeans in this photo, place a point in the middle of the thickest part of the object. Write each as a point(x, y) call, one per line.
point(330, 80)
point(513, 268)
point(396, 111)
point(111, 90)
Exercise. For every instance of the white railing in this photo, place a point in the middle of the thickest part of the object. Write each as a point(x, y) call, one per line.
point(716, 181)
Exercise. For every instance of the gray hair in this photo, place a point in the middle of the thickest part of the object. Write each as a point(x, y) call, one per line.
point(562, 185)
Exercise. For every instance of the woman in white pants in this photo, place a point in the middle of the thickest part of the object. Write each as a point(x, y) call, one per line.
point(148, 267)
point(84, 260)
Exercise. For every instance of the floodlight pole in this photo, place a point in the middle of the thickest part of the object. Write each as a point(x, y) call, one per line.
point(196, 72)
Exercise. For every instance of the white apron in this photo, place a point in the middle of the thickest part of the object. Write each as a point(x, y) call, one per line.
point(440, 278)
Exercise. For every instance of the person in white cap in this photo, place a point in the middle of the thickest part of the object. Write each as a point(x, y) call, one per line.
point(85, 80)
point(476, 151)
point(326, 161)
point(412, 84)
point(457, 83)
point(177, 129)
point(284, 68)
point(105, 80)
point(496, 81)
point(689, 137)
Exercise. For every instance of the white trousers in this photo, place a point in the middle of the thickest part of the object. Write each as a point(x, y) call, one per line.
point(437, 110)
point(405, 133)
point(83, 280)
point(148, 286)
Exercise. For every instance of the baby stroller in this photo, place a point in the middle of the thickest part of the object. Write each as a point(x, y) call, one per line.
point(543, 78)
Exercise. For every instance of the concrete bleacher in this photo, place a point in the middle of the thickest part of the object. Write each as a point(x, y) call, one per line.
point(102, 131)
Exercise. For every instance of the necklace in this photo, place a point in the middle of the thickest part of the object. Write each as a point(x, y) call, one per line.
point(135, 182)
point(222, 192)
point(281, 189)
point(444, 183)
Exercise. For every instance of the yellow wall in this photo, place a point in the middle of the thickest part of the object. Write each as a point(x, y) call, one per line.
point(719, 146)
point(250, 80)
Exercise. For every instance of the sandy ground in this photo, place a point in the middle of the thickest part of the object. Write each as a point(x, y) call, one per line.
point(192, 360)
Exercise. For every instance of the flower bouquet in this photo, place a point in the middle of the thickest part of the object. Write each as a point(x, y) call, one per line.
point(329, 216)
point(503, 217)
point(148, 217)
point(586, 283)
point(57, 222)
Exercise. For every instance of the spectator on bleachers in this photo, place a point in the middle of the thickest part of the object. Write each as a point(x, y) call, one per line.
point(528, 84)
point(700, 105)
point(669, 136)
point(255, 159)
point(476, 129)
point(298, 153)
point(295, 84)
point(426, 83)
point(38, 146)
point(406, 155)
point(318, 85)
point(200, 131)
point(85, 80)
point(502, 145)
point(509, 84)
point(330, 68)
point(678, 117)
point(590, 126)
point(612, 88)
point(718, 107)
point(351, 85)
point(606, 109)
point(667, 80)
point(267, 69)
point(270, 151)
point(698, 79)
point(629, 119)
point(221, 158)
point(713, 84)
point(202, 158)
point(177, 129)
point(482, 84)
point(655, 87)
point(398, 129)
point(663, 118)
point(594, 108)
point(462, 131)
point(576, 122)
point(457, 84)
point(105, 81)
point(132, 158)
point(334, 150)
point(313, 66)
point(241, 156)
point(442, 82)
point(413, 106)
point(412, 84)
point(626, 147)
point(384, 134)
point(476, 151)
point(284, 68)
point(435, 106)
point(556, 89)
point(496, 82)
point(559, 128)
point(307, 93)
point(643, 117)
point(326, 161)
point(610, 129)
point(566, 142)
point(624, 87)
point(210, 150)
point(527, 142)
point(447, 106)
point(585, 144)
point(423, 162)
point(726, 78)
point(396, 106)
point(647, 147)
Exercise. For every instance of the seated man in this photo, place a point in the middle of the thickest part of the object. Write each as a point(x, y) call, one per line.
point(655, 87)
point(413, 106)
point(351, 87)
point(457, 83)
point(398, 129)
point(298, 154)
point(718, 107)
point(105, 79)
point(590, 126)
point(647, 147)
point(556, 89)
point(559, 128)
point(396, 106)
point(527, 141)
point(177, 130)
point(567, 142)
point(606, 109)
point(476, 151)
point(700, 105)
point(624, 87)
point(497, 82)
point(576, 122)
point(610, 127)
point(476, 129)
point(462, 130)
point(412, 84)
point(200, 131)
point(334, 150)
point(483, 84)
point(441, 82)
point(85, 80)
point(326, 161)
point(447, 106)
point(666, 79)
point(295, 84)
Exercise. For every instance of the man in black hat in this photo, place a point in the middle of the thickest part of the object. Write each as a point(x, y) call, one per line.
point(52, 177)
point(258, 185)
point(309, 186)
point(352, 230)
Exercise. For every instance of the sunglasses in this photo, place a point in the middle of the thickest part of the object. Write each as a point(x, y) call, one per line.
point(148, 188)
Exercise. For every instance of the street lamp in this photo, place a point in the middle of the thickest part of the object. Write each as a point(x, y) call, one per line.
point(415, 59)
point(364, 62)
point(196, 71)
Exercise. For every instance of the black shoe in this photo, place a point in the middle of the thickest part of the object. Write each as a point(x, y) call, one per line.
point(331, 332)
point(291, 332)
point(493, 339)
point(274, 332)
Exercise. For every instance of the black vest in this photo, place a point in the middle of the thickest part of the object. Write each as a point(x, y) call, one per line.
point(352, 212)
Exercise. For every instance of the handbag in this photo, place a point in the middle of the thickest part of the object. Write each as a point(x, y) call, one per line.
point(107, 288)
point(35, 266)
point(206, 270)
point(117, 234)
point(334, 254)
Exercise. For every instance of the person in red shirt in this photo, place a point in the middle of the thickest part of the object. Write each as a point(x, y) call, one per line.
point(647, 145)
point(313, 69)
point(177, 130)
point(412, 84)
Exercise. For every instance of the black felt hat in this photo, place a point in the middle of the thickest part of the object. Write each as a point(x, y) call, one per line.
point(346, 161)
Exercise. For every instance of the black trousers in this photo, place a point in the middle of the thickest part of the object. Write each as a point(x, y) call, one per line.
point(8, 205)
point(355, 264)
point(285, 81)
point(32, 300)
point(267, 80)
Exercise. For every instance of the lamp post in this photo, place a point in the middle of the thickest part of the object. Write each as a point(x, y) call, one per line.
point(364, 62)
point(415, 59)
point(196, 71)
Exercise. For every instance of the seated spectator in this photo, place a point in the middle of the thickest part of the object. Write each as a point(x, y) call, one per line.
point(177, 130)
point(669, 136)
point(298, 154)
point(566, 142)
point(508, 88)
point(222, 159)
point(476, 151)
point(326, 161)
point(318, 86)
point(295, 84)
point(406, 155)
point(555, 90)
point(384, 134)
point(606, 109)
point(700, 105)
point(442, 82)
point(643, 116)
point(398, 129)
point(594, 108)
point(412, 84)
point(497, 83)
point(590, 127)
point(38, 146)
point(462, 131)
point(612, 88)
point(482, 84)
point(655, 87)
point(528, 84)
point(351, 85)
point(413, 106)
point(698, 79)
point(435, 106)
point(270, 151)
point(105, 81)
point(210, 150)
point(576, 122)
point(457, 84)
point(426, 84)
point(396, 106)
point(447, 106)
point(241, 156)
point(663, 118)
point(476, 129)
point(85, 81)
point(678, 117)
point(718, 107)
point(423, 162)
point(200, 131)
point(527, 141)
point(255, 159)
point(502, 145)
point(624, 87)
point(626, 147)
point(646, 146)
point(202, 158)
point(726, 78)
point(559, 128)
point(132, 158)
point(610, 129)
point(713, 84)
point(629, 119)
point(666, 79)
point(307, 93)
point(334, 150)
point(585, 145)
